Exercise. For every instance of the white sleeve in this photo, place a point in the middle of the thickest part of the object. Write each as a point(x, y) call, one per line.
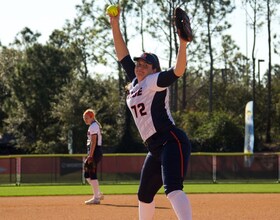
point(93, 129)
point(151, 81)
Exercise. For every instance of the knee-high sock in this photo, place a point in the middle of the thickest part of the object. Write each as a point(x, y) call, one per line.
point(95, 186)
point(181, 204)
point(146, 210)
point(96, 189)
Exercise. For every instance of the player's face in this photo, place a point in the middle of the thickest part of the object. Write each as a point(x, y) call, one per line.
point(142, 69)
point(87, 120)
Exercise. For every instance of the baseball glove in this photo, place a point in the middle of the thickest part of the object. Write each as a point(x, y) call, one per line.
point(88, 164)
point(182, 23)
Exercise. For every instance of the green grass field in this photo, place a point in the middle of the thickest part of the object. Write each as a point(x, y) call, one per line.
point(54, 190)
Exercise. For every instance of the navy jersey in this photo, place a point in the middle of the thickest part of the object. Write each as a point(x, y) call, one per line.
point(148, 100)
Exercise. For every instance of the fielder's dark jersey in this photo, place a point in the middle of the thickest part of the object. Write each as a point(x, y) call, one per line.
point(148, 100)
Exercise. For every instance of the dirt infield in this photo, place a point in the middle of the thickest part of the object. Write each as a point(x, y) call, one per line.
point(119, 207)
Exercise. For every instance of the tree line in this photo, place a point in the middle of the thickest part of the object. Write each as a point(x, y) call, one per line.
point(45, 88)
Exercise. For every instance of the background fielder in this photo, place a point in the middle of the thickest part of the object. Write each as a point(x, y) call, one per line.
point(94, 142)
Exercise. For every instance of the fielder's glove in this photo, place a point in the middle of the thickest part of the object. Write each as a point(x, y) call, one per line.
point(88, 164)
point(182, 23)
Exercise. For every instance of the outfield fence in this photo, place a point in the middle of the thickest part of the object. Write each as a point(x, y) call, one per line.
point(125, 168)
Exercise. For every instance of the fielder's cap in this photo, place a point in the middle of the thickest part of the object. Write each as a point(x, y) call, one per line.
point(148, 58)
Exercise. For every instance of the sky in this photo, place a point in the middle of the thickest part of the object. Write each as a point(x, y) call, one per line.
point(39, 15)
point(46, 15)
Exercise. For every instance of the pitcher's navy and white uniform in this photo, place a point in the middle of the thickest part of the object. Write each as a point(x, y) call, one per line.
point(169, 147)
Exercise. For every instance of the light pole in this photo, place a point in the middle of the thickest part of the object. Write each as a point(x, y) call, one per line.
point(259, 61)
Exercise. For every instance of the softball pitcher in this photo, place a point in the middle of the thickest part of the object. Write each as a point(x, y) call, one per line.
point(168, 147)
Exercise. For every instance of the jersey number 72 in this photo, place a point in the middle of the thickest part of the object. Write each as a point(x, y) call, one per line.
point(139, 109)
